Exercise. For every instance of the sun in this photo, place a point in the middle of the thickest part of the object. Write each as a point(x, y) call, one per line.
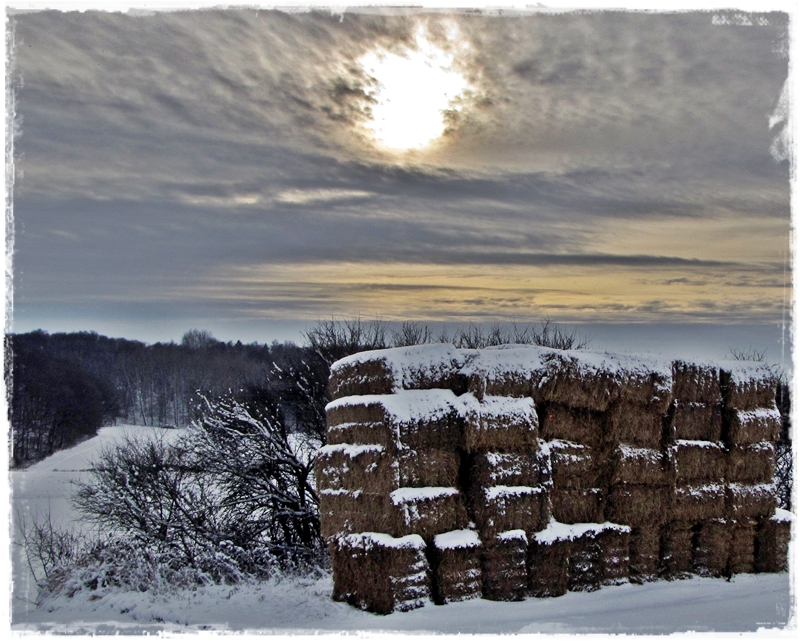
point(412, 93)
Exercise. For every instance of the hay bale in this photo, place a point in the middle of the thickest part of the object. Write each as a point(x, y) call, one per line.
point(699, 502)
point(419, 419)
point(697, 461)
point(427, 467)
point(505, 371)
point(772, 543)
point(645, 553)
point(637, 425)
point(712, 547)
point(741, 427)
point(578, 505)
point(376, 572)
point(573, 465)
point(677, 549)
point(565, 423)
point(504, 508)
point(354, 511)
point(749, 501)
point(456, 568)
point(504, 567)
point(614, 541)
point(506, 469)
point(695, 421)
point(579, 379)
point(634, 465)
point(380, 372)
point(747, 385)
point(696, 382)
point(427, 511)
point(751, 464)
point(743, 544)
point(639, 504)
point(350, 467)
point(501, 424)
point(585, 571)
point(548, 562)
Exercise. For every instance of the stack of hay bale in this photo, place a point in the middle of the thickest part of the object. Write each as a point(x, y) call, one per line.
point(520, 470)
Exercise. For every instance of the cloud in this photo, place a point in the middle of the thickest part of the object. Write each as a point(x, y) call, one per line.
point(304, 196)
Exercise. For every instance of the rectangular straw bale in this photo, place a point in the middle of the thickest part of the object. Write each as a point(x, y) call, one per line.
point(693, 420)
point(697, 461)
point(696, 382)
point(504, 508)
point(676, 550)
point(548, 564)
point(712, 547)
point(504, 567)
point(456, 567)
point(749, 501)
point(365, 377)
point(743, 544)
point(772, 543)
point(353, 511)
point(751, 464)
point(505, 424)
point(634, 424)
point(505, 371)
point(578, 505)
point(505, 469)
point(427, 511)
point(742, 427)
point(614, 541)
point(351, 467)
point(560, 422)
point(427, 467)
point(635, 465)
point(573, 465)
point(411, 418)
point(585, 564)
point(381, 574)
point(639, 504)
point(698, 502)
point(579, 379)
point(645, 551)
point(747, 385)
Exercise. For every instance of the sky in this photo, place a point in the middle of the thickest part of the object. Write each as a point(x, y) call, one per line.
point(251, 171)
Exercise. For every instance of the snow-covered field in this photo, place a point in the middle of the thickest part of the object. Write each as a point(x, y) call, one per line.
point(747, 603)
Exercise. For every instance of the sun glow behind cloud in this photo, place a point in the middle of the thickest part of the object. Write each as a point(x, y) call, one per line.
point(413, 93)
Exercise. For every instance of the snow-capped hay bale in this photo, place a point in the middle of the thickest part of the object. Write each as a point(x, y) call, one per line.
point(639, 504)
point(376, 572)
point(712, 547)
point(699, 502)
point(751, 464)
point(504, 566)
point(676, 550)
point(614, 541)
point(579, 379)
point(506, 371)
point(697, 421)
point(427, 511)
point(696, 382)
point(578, 505)
point(635, 465)
point(560, 422)
point(645, 553)
point(742, 550)
point(742, 427)
point(573, 465)
point(380, 372)
point(747, 385)
point(411, 418)
point(351, 467)
point(504, 508)
point(354, 511)
point(506, 469)
point(427, 467)
point(746, 501)
point(635, 424)
point(585, 571)
point(500, 423)
point(456, 568)
point(697, 461)
point(548, 561)
point(772, 543)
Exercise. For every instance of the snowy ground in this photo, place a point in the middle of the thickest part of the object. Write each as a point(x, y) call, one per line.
point(747, 603)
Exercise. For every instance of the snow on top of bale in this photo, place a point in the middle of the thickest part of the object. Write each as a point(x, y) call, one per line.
point(744, 490)
point(746, 371)
point(369, 540)
point(407, 406)
point(493, 492)
point(350, 450)
point(515, 534)
point(556, 531)
point(520, 408)
point(410, 495)
point(759, 413)
point(457, 539)
point(697, 443)
point(782, 515)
